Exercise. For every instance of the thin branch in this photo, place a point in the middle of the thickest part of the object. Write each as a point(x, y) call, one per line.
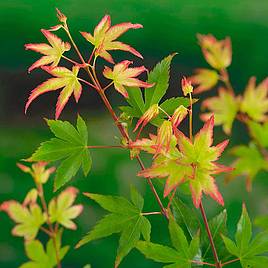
point(114, 116)
point(151, 213)
point(104, 146)
point(171, 198)
point(106, 87)
point(92, 53)
point(191, 117)
point(46, 231)
point(226, 80)
point(231, 261)
point(203, 263)
point(70, 60)
point(204, 216)
point(214, 251)
point(86, 82)
point(51, 230)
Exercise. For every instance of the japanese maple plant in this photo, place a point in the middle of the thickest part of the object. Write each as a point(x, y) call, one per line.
point(183, 163)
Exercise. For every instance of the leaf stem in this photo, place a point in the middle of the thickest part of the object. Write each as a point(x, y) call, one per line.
point(112, 113)
point(203, 213)
point(231, 261)
point(171, 198)
point(201, 262)
point(70, 60)
point(86, 82)
point(191, 117)
point(52, 233)
point(104, 146)
point(151, 213)
point(226, 80)
point(214, 251)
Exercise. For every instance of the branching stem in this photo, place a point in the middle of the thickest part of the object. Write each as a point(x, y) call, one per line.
point(203, 213)
point(52, 233)
point(106, 102)
point(231, 261)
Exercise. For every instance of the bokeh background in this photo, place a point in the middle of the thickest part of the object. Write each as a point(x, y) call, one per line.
point(169, 26)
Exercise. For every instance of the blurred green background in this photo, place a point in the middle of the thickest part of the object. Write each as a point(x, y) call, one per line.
point(168, 26)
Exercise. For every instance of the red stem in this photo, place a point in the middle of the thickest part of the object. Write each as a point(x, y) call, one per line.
point(214, 251)
point(231, 261)
point(114, 116)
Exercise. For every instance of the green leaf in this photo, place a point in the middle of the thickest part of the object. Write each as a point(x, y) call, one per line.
point(160, 76)
point(158, 252)
point(181, 256)
point(248, 250)
point(259, 132)
point(185, 217)
point(70, 146)
point(249, 163)
point(243, 231)
point(135, 99)
point(125, 218)
point(39, 258)
point(217, 227)
point(262, 222)
point(178, 238)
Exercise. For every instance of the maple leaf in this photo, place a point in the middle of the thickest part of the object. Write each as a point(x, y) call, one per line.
point(52, 52)
point(41, 258)
point(259, 132)
point(218, 53)
point(249, 163)
point(68, 145)
point(250, 251)
point(201, 155)
point(104, 38)
point(38, 171)
point(195, 162)
point(28, 220)
point(125, 217)
point(123, 76)
point(255, 102)
point(224, 107)
point(61, 209)
point(204, 79)
point(179, 256)
point(64, 78)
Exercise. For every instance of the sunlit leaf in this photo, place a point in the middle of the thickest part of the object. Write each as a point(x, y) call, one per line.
point(122, 77)
point(224, 107)
point(63, 78)
point(218, 53)
point(52, 53)
point(255, 102)
point(249, 163)
point(105, 35)
point(62, 210)
point(28, 220)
